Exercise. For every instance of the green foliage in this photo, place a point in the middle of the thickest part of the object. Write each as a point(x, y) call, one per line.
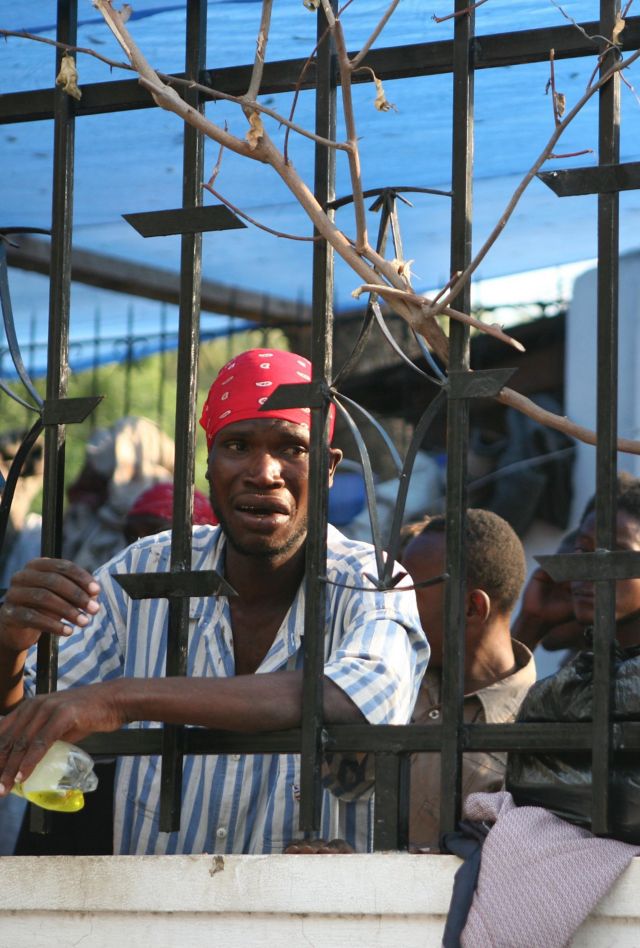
point(144, 388)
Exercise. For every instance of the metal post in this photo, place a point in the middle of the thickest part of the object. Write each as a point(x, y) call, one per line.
point(457, 428)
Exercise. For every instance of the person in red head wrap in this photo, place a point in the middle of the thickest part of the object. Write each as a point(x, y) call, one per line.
point(153, 512)
point(245, 383)
point(244, 652)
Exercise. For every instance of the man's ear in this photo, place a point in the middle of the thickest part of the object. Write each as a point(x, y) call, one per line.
point(478, 605)
point(335, 456)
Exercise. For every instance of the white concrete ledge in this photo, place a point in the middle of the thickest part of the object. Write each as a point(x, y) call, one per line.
point(378, 901)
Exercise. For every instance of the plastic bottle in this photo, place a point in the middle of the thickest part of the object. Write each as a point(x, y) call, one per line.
point(61, 779)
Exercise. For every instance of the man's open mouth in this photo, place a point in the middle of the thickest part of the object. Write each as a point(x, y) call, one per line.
point(265, 508)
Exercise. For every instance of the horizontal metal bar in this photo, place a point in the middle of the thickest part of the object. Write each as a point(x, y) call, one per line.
point(484, 383)
point(603, 564)
point(392, 739)
point(603, 179)
point(396, 62)
point(174, 585)
point(184, 220)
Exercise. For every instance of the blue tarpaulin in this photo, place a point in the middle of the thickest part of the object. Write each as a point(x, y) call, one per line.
point(131, 161)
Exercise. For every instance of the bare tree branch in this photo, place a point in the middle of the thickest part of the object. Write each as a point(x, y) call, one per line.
point(523, 404)
point(540, 160)
point(261, 46)
point(355, 62)
point(236, 210)
point(391, 294)
point(459, 13)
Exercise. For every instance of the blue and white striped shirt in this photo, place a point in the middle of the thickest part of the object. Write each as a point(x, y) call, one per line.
point(375, 650)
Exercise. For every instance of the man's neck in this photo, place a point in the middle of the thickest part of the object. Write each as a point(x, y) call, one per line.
point(491, 659)
point(265, 579)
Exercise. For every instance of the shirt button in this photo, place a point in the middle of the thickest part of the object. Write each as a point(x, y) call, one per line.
point(434, 713)
point(221, 832)
point(235, 757)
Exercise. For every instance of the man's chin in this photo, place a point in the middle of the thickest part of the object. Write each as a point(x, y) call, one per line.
point(265, 547)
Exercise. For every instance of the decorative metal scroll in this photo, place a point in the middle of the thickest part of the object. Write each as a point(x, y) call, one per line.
point(50, 412)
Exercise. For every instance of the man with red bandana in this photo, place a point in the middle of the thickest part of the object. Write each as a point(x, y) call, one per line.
point(245, 652)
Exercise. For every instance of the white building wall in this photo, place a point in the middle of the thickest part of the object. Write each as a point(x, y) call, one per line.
point(374, 901)
point(580, 371)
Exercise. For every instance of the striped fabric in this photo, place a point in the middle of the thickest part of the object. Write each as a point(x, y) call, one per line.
point(375, 651)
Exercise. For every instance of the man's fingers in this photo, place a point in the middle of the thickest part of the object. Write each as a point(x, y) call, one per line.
point(65, 569)
point(26, 735)
point(63, 579)
point(318, 847)
point(46, 592)
point(26, 617)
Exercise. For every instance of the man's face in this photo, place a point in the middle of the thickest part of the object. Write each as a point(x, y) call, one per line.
point(424, 558)
point(258, 475)
point(627, 590)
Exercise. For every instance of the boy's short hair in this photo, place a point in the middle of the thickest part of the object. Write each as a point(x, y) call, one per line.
point(495, 556)
point(627, 497)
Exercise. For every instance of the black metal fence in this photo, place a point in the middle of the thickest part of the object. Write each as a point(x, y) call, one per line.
point(391, 745)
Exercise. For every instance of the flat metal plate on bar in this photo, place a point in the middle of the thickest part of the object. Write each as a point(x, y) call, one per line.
point(484, 383)
point(207, 582)
point(68, 411)
point(184, 220)
point(603, 564)
point(604, 179)
point(297, 395)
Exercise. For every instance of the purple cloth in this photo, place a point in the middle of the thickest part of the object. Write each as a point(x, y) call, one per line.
point(540, 877)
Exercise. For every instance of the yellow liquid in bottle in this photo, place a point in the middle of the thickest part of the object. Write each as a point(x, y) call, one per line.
point(68, 802)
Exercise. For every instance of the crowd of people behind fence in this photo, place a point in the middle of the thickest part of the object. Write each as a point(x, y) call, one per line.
point(383, 650)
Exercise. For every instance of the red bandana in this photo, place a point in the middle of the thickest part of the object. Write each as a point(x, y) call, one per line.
point(244, 384)
point(157, 501)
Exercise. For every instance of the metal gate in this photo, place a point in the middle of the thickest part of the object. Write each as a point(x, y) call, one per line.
point(457, 387)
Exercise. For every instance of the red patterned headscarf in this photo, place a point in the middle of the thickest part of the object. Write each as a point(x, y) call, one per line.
point(244, 384)
point(157, 501)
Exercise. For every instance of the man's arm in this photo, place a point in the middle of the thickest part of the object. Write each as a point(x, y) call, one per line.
point(250, 703)
point(546, 614)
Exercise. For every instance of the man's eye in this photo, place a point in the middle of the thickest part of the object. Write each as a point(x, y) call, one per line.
point(296, 450)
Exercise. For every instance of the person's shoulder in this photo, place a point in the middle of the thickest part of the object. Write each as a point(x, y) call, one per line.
point(342, 552)
point(347, 557)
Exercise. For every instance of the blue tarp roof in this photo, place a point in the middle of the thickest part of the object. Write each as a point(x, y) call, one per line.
point(131, 161)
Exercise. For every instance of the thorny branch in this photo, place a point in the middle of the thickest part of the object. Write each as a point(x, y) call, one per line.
point(251, 220)
point(531, 173)
point(459, 13)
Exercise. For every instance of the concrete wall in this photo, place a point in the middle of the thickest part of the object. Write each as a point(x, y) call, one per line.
point(390, 900)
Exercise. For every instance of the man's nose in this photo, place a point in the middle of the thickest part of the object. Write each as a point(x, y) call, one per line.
point(264, 468)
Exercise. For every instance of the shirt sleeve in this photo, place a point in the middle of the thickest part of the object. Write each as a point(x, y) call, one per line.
point(379, 663)
point(382, 654)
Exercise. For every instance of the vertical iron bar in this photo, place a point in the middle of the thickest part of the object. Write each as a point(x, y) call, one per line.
point(58, 339)
point(162, 363)
point(391, 818)
point(321, 357)
point(457, 428)
point(32, 357)
point(607, 426)
point(185, 426)
point(128, 365)
point(58, 343)
point(96, 363)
